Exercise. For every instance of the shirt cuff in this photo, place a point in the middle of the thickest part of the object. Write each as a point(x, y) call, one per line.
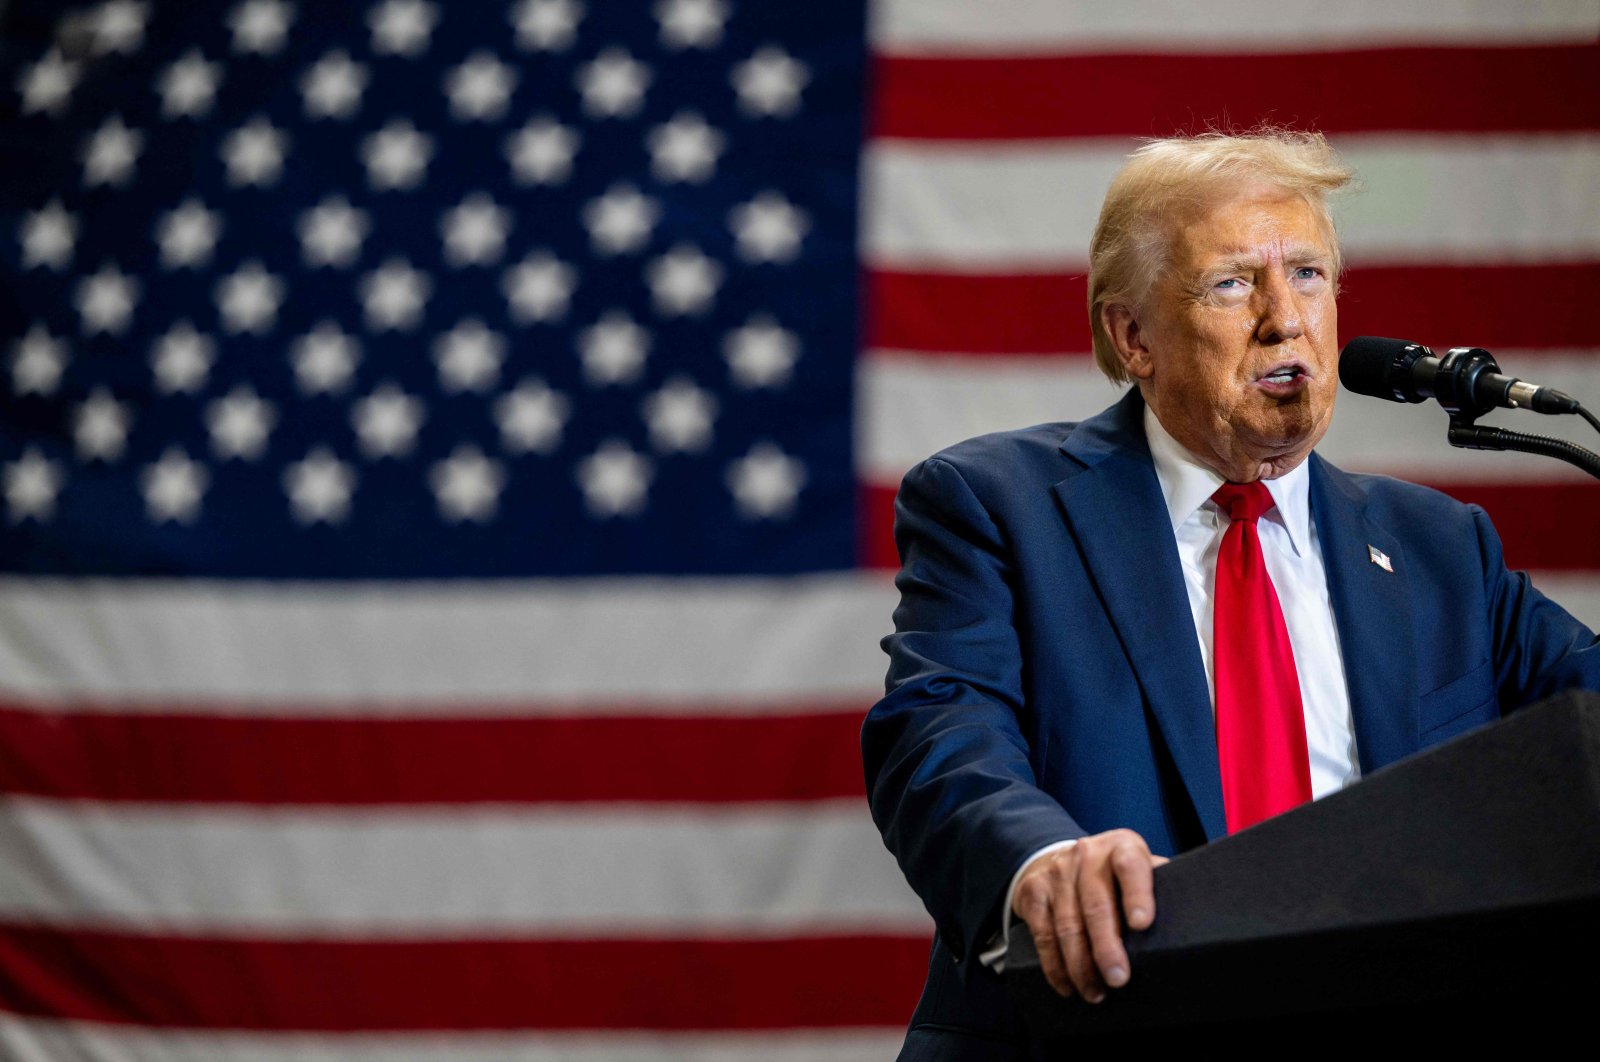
point(994, 956)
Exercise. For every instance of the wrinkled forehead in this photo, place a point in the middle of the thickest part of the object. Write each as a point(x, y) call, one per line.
point(1247, 222)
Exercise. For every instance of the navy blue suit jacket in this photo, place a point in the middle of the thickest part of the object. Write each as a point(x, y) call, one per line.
point(1045, 681)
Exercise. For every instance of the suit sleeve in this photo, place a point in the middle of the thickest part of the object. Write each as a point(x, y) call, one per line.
point(1540, 649)
point(948, 768)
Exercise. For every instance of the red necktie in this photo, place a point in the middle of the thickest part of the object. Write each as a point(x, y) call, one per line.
point(1261, 724)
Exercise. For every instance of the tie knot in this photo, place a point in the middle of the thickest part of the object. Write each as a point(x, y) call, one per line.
point(1243, 501)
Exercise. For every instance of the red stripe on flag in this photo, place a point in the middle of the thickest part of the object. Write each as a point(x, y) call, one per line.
point(348, 985)
point(217, 758)
point(1539, 523)
point(1018, 313)
point(875, 503)
point(1512, 307)
point(1535, 521)
point(1539, 88)
point(1520, 307)
point(877, 519)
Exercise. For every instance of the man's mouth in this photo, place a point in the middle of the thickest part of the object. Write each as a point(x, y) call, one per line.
point(1285, 381)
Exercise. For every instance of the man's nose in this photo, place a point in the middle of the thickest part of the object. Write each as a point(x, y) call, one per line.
point(1282, 316)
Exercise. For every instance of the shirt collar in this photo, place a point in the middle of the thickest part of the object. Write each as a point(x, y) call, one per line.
point(1186, 485)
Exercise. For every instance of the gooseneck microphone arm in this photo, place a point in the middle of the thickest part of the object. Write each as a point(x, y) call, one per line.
point(1467, 383)
point(1481, 437)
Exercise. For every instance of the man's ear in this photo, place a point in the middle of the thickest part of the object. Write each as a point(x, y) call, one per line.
point(1127, 339)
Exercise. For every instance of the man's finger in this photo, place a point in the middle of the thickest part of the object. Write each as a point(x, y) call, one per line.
point(1098, 899)
point(1073, 938)
point(1033, 907)
point(1132, 864)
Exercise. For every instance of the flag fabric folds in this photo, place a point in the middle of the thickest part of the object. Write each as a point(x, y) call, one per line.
point(447, 455)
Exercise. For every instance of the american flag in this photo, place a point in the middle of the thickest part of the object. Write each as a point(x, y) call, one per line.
point(447, 453)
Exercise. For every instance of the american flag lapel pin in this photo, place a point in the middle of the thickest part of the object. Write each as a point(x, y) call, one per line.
point(1380, 558)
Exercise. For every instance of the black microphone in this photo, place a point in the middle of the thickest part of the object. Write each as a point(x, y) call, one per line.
point(1466, 380)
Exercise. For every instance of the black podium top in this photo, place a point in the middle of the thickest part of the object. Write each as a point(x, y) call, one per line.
point(1462, 884)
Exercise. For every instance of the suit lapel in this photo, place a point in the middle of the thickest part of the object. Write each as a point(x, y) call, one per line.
point(1114, 509)
point(1372, 611)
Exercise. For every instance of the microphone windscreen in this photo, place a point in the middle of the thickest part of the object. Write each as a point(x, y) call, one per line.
point(1375, 366)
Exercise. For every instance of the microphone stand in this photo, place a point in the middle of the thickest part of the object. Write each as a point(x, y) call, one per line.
point(1472, 436)
point(1458, 393)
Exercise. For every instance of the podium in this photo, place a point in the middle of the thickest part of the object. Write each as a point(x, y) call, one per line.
point(1450, 896)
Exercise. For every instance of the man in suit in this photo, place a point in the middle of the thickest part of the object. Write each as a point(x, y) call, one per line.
point(1123, 638)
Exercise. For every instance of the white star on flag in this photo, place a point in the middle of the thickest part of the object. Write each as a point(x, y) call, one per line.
point(620, 221)
point(30, 484)
point(48, 236)
point(324, 359)
point(474, 231)
point(110, 153)
point(541, 151)
point(396, 156)
point(248, 299)
point(402, 27)
point(189, 86)
point(613, 349)
point(769, 83)
point(240, 423)
point(469, 356)
point(765, 482)
point(106, 300)
point(539, 287)
point(119, 26)
point(37, 362)
point(467, 485)
point(393, 296)
point(684, 149)
point(47, 85)
point(319, 487)
point(331, 233)
point(260, 27)
point(188, 235)
point(480, 88)
point(546, 25)
point(181, 359)
point(332, 86)
point(760, 353)
point(254, 153)
point(531, 417)
point(100, 426)
point(613, 84)
point(615, 480)
point(768, 228)
point(173, 487)
point(679, 416)
point(691, 23)
point(683, 281)
point(386, 422)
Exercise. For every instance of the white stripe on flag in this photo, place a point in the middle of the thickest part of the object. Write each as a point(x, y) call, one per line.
point(700, 646)
point(972, 208)
point(913, 405)
point(960, 27)
point(417, 872)
point(36, 1040)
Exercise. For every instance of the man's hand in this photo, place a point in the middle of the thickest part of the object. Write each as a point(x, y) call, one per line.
point(1075, 900)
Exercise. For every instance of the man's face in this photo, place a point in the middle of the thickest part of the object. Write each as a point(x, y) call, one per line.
point(1236, 348)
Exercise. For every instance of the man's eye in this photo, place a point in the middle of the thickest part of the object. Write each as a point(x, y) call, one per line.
point(1307, 273)
point(1231, 282)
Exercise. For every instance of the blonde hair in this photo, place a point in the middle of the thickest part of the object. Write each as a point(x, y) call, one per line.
point(1165, 177)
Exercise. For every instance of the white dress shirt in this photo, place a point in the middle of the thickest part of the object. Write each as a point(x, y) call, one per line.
point(1293, 554)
